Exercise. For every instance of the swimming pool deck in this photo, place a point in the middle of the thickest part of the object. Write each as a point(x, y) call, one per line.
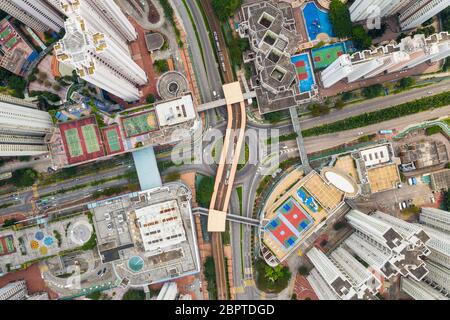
point(314, 15)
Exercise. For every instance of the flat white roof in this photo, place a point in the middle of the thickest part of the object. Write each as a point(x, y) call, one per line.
point(374, 156)
point(340, 182)
point(233, 93)
point(176, 111)
point(160, 226)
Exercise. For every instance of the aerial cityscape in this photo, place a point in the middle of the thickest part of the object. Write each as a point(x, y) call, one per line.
point(257, 150)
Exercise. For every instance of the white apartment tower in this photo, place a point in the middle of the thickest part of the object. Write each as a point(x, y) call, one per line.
point(100, 57)
point(411, 13)
point(435, 218)
point(37, 14)
point(23, 130)
point(103, 16)
point(417, 12)
point(385, 248)
point(320, 287)
point(409, 53)
point(419, 290)
point(331, 274)
point(14, 291)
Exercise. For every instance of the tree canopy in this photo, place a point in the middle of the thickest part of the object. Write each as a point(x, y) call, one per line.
point(205, 191)
point(225, 8)
point(360, 38)
point(340, 19)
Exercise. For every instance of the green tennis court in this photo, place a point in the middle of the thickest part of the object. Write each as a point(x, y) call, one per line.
point(323, 57)
point(140, 124)
point(73, 143)
point(5, 33)
point(113, 140)
point(90, 138)
point(6, 245)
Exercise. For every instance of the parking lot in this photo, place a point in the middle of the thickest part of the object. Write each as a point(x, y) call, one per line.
point(388, 201)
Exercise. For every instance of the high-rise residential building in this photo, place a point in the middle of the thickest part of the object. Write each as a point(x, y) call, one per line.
point(419, 290)
point(438, 277)
point(386, 248)
point(320, 287)
point(100, 60)
point(103, 16)
point(411, 13)
point(414, 13)
point(14, 291)
point(331, 274)
point(439, 245)
point(409, 53)
point(362, 280)
point(366, 9)
point(23, 129)
point(37, 14)
point(435, 218)
point(98, 52)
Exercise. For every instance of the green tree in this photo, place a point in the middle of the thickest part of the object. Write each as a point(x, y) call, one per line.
point(318, 109)
point(360, 38)
point(24, 178)
point(225, 8)
point(339, 104)
point(210, 275)
point(134, 295)
point(340, 19)
point(405, 83)
point(205, 191)
point(303, 270)
point(161, 65)
point(150, 99)
point(373, 91)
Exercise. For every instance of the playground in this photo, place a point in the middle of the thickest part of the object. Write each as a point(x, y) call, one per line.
point(139, 124)
point(290, 223)
point(81, 139)
point(113, 140)
point(304, 71)
point(7, 245)
point(325, 56)
point(317, 23)
point(281, 233)
point(34, 243)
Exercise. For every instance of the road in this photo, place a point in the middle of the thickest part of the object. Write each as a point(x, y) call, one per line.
point(25, 197)
point(364, 107)
point(323, 142)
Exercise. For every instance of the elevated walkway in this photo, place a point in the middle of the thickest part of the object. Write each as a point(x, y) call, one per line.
point(230, 217)
point(298, 131)
point(222, 102)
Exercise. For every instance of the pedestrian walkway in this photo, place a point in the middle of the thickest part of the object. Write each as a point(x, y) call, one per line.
point(300, 142)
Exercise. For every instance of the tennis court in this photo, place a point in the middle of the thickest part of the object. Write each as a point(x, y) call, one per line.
point(324, 56)
point(82, 140)
point(303, 68)
point(113, 141)
point(6, 245)
point(140, 124)
point(90, 138)
point(73, 143)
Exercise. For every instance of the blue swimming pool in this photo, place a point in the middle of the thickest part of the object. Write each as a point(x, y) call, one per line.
point(317, 21)
point(304, 72)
